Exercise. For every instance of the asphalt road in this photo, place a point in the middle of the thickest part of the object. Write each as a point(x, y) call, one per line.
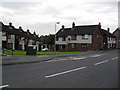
point(99, 70)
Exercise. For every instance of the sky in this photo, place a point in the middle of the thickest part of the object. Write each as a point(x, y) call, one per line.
point(41, 16)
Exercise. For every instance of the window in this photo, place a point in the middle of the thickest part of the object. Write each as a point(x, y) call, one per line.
point(85, 37)
point(73, 45)
point(84, 45)
point(63, 38)
point(9, 36)
point(73, 37)
point(10, 45)
point(3, 33)
point(63, 46)
point(56, 38)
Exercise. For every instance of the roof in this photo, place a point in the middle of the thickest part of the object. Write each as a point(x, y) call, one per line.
point(78, 30)
point(12, 30)
point(106, 33)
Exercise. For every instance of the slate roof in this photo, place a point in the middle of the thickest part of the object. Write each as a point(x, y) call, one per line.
point(12, 30)
point(78, 30)
point(106, 33)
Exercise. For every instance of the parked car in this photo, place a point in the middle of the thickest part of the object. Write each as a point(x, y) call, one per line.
point(45, 49)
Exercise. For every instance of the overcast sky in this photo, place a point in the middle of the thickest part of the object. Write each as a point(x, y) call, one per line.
point(41, 15)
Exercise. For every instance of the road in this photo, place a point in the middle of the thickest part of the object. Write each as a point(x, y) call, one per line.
point(98, 70)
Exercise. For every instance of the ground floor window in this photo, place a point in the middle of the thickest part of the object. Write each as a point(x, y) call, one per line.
point(73, 45)
point(10, 45)
point(84, 45)
point(63, 46)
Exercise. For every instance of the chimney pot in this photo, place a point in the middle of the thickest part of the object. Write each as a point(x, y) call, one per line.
point(20, 27)
point(10, 24)
point(108, 29)
point(73, 25)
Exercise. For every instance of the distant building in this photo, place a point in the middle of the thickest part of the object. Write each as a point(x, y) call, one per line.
point(109, 40)
point(86, 37)
point(17, 39)
point(117, 34)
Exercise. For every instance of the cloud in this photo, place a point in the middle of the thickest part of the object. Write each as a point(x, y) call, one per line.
point(42, 15)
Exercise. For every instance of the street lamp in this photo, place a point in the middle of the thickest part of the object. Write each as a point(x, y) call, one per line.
point(55, 36)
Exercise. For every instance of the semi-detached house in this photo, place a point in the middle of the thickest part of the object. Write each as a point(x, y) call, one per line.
point(17, 39)
point(86, 37)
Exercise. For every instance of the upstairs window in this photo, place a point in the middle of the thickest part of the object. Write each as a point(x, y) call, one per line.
point(63, 38)
point(85, 37)
point(9, 36)
point(73, 37)
point(56, 38)
point(3, 33)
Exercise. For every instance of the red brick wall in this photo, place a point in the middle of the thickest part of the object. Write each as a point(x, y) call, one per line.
point(117, 34)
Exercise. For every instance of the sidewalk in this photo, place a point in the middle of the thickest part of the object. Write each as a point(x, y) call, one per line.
point(19, 59)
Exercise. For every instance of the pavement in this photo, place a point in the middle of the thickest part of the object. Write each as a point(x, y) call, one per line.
point(86, 70)
point(20, 59)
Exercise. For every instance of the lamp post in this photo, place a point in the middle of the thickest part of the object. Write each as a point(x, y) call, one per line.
point(55, 36)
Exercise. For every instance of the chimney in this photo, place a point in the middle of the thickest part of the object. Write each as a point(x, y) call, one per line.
point(34, 33)
point(99, 25)
point(28, 30)
point(73, 25)
point(10, 24)
point(20, 27)
point(63, 27)
point(108, 29)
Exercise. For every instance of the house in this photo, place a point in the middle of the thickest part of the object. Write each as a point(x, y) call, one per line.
point(78, 38)
point(109, 40)
point(117, 34)
point(18, 39)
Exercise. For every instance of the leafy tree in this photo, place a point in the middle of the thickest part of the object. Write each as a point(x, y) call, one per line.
point(48, 39)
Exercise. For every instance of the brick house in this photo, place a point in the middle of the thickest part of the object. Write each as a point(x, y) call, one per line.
point(17, 39)
point(78, 38)
point(109, 40)
point(117, 34)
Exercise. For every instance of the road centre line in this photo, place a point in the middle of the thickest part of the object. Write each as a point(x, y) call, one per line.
point(115, 58)
point(68, 71)
point(101, 62)
point(79, 58)
point(4, 86)
point(51, 60)
point(96, 55)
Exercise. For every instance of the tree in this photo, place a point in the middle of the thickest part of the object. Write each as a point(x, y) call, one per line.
point(48, 39)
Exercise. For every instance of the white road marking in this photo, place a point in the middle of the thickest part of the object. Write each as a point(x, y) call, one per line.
point(4, 86)
point(48, 76)
point(97, 55)
point(63, 59)
point(115, 58)
point(51, 60)
point(101, 62)
point(79, 58)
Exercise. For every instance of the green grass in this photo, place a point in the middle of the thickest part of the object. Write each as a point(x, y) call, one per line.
point(15, 52)
point(50, 53)
point(38, 53)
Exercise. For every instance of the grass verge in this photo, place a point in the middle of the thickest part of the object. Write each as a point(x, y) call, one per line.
point(38, 53)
